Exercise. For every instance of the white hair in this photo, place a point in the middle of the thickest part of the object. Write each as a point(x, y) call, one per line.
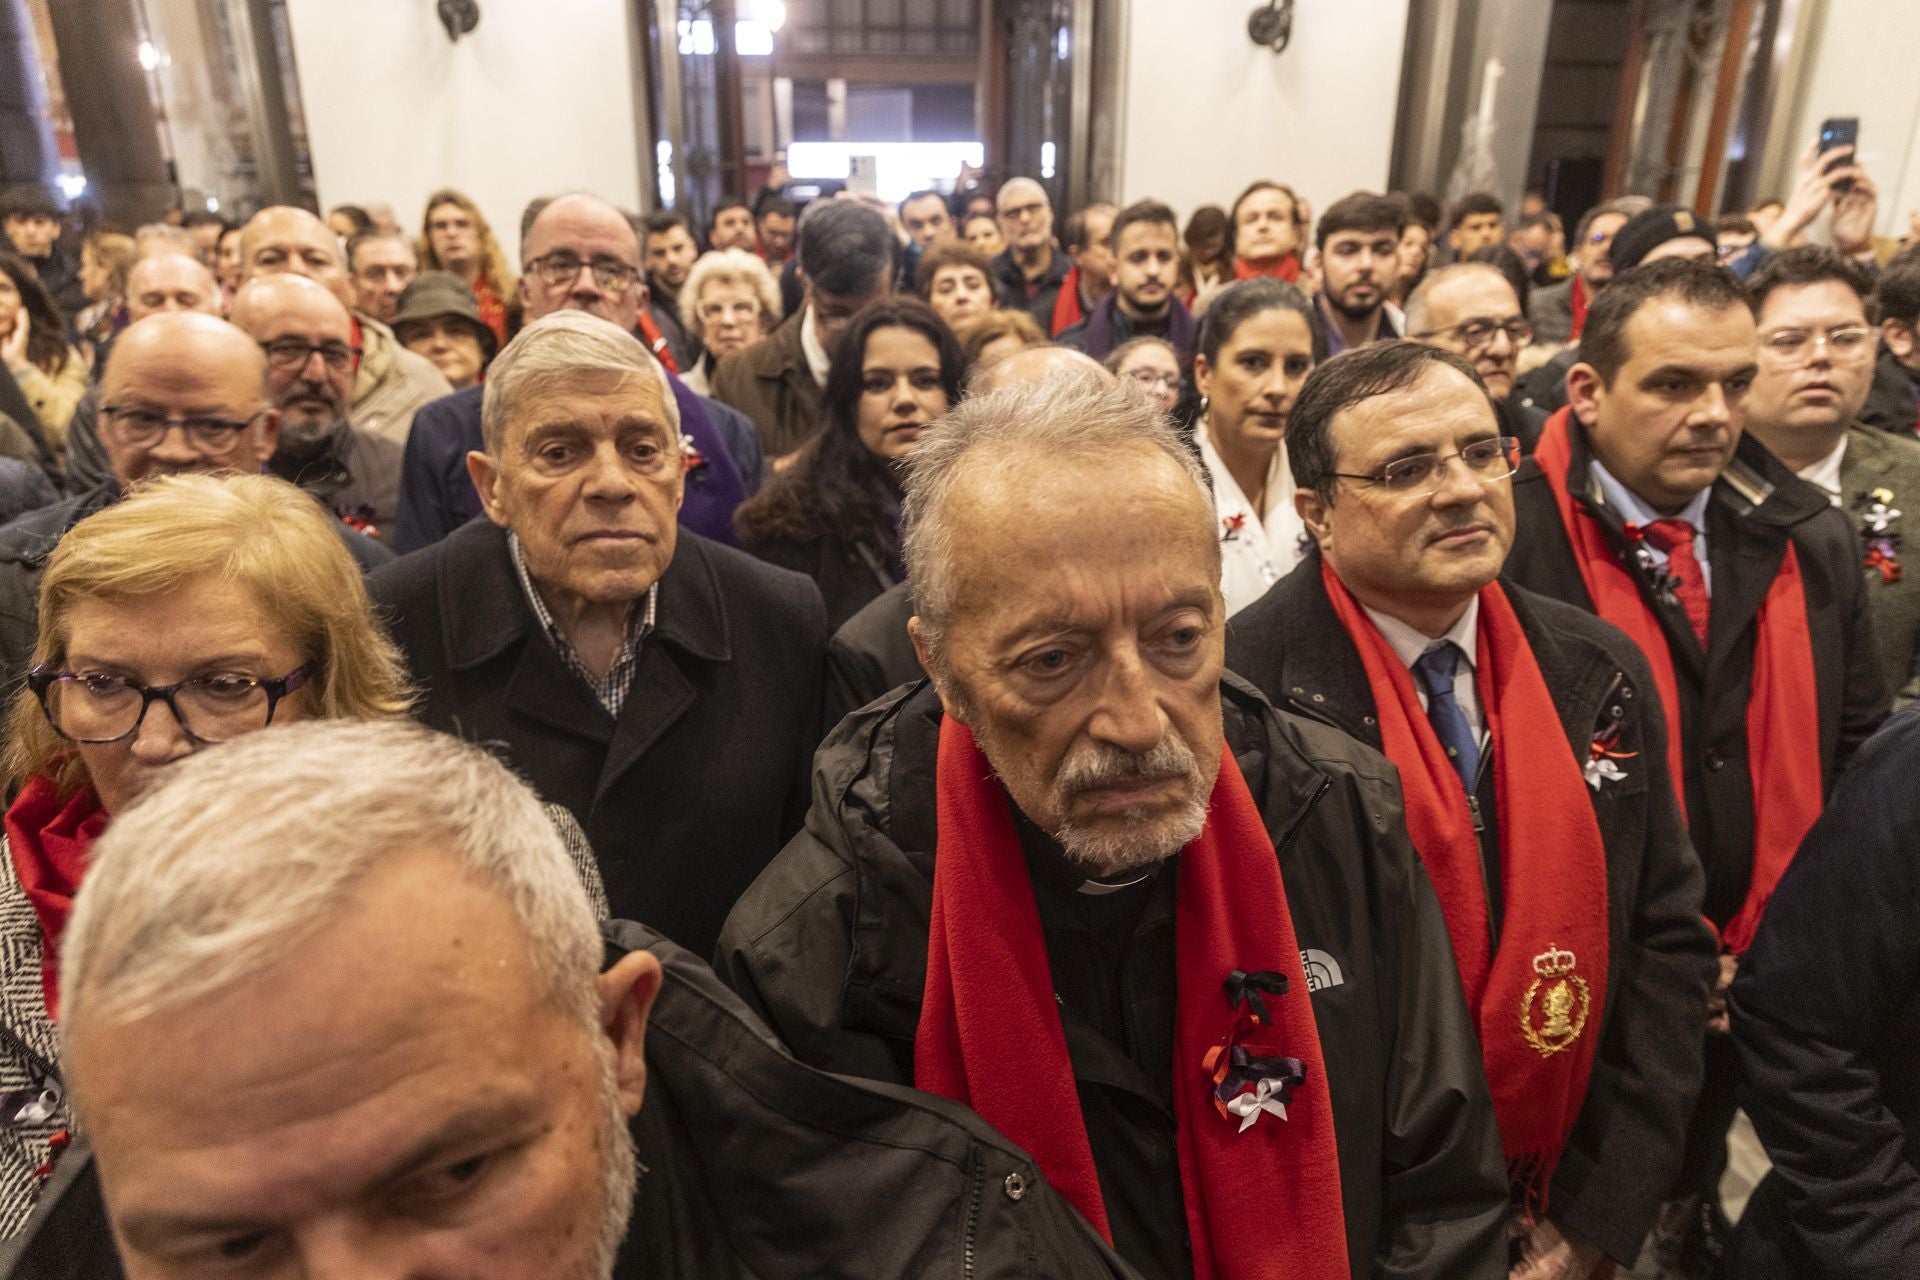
point(246, 849)
point(559, 348)
point(1075, 416)
point(728, 266)
point(1021, 184)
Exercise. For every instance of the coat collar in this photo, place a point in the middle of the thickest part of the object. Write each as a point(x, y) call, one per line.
point(780, 355)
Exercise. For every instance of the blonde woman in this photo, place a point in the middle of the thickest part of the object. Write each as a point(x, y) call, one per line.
point(729, 302)
point(455, 237)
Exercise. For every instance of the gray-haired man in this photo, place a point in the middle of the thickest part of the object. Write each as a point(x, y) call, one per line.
point(664, 688)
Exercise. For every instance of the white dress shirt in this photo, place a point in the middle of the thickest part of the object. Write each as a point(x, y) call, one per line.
point(818, 360)
point(1634, 511)
point(1411, 645)
point(1824, 475)
point(1257, 548)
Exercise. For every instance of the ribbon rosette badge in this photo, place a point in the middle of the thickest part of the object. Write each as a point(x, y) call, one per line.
point(1249, 1082)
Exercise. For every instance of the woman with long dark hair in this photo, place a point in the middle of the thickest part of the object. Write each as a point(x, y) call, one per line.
point(834, 515)
point(51, 374)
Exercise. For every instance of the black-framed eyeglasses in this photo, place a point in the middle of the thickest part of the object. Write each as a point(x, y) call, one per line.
point(560, 269)
point(289, 354)
point(1479, 331)
point(135, 427)
point(95, 708)
point(1495, 458)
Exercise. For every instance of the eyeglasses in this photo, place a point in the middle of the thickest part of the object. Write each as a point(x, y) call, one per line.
point(1424, 473)
point(561, 269)
point(1020, 212)
point(289, 354)
point(96, 709)
point(1152, 381)
point(714, 311)
point(1479, 331)
point(137, 428)
point(1790, 346)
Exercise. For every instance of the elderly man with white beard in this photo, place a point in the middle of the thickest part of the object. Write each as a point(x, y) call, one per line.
point(1045, 883)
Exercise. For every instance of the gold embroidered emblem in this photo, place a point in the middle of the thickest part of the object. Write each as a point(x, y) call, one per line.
point(1552, 1020)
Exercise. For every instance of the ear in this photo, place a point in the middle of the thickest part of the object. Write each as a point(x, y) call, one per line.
point(627, 992)
point(485, 474)
point(1203, 376)
point(1585, 392)
point(925, 655)
point(269, 432)
point(1313, 509)
point(1899, 339)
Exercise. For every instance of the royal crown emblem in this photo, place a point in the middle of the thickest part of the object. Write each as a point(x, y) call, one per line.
point(1554, 1010)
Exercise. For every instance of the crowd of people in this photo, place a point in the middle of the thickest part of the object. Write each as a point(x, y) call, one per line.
point(884, 741)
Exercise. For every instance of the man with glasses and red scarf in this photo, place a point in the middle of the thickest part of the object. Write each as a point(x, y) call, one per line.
point(1530, 747)
point(1646, 503)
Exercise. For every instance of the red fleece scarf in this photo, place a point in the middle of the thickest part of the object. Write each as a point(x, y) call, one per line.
point(492, 308)
point(1285, 268)
point(1067, 311)
point(1538, 997)
point(1580, 300)
point(1783, 703)
point(1263, 1200)
point(48, 840)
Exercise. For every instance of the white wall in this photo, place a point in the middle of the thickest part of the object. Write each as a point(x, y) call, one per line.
point(1860, 62)
point(1205, 111)
point(537, 100)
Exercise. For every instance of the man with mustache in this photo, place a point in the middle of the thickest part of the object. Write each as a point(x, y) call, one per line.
point(1146, 256)
point(664, 688)
point(1645, 502)
point(1359, 239)
point(1045, 883)
point(1530, 747)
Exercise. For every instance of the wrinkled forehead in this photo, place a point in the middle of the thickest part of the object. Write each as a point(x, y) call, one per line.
point(1471, 295)
point(587, 398)
point(585, 229)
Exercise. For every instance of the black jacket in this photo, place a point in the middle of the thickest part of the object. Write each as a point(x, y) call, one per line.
point(871, 653)
point(1757, 507)
point(1625, 1147)
point(26, 543)
point(702, 778)
point(1826, 1021)
point(1893, 402)
point(757, 1167)
point(1038, 296)
point(849, 572)
point(830, 947)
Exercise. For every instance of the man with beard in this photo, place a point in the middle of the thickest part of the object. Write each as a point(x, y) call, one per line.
point(1359, 239)
point(308, 339)
point(1471, 310)
point(1046, 883)
point(1146, 254)
point(1032, 268)
point(336, 1003)
point(1647, 503)
point(1564, 872)
point(730, 226)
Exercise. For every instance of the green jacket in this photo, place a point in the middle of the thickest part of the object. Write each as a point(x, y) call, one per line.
point(1880, 463)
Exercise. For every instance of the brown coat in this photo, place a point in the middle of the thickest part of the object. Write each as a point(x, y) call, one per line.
point(771, 384)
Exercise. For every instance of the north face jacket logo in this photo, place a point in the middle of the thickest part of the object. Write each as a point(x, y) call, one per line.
point(1323, 970)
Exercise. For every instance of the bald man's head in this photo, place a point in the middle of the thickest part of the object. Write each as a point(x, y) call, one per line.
point(170, 282)
point(584, 230)
point(185, 391)
point(1037, 365)
point(284, 239)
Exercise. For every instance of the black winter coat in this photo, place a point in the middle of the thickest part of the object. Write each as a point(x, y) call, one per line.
point(849, 572)
point(757, 1168)
point(830, 947)
point(871, 654)
point(1826, 1021)
point(701, 779)
point(1757, 508)
point(1624, 1151)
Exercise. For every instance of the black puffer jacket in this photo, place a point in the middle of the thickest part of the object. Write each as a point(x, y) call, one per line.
point(830, 946)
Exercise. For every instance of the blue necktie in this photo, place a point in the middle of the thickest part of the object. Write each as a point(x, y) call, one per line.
point(1436, 669)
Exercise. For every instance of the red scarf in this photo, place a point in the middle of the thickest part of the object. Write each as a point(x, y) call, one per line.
point(493, 310)
point(48, 840)
point(656, 341)
point(1554, 949)
point(1263, 1203)
point(1580, 299)
point(1783, 704)
point(1067, 311)
point(1283, 268)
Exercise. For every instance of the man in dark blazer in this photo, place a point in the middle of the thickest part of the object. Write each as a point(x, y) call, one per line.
point(664, 688)
point(1816, 370)
point(1601, 742)
point(1760, 639)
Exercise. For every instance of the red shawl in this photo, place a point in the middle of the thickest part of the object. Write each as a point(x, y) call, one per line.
point(1783, 706)
point(1580, 301)
point(1538, 998)
point(1263, 1198)
point(48, 840)
point(493, 308)
point(1067, 311)
point(1286, 267)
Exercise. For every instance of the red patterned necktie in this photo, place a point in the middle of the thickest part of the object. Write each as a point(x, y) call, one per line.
point(1675, 537)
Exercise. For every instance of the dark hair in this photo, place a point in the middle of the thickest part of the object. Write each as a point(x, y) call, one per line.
point(1738, 224)
point(1239, 302)
point(531, 214)
point(28, 202)
point(968, 220)
point(1254, 188)
point(1532, 220)
point(1899, 295)
point(46, 343)
point(1377, 369)
point(1207, 221)
point(1508, 264)
point(365, 238)
point(1073, 230)
point(1362, 211)
point(1809, 264)
point(1587, 219)
point(1143, 213)
point(713, 219)
point(1603, 343)
point(837, 485)
point(1479, 202)
point(362, 220)
point(1424, 210)
point(901, 209)
point(949, 253)
point(1118, 356)
point(205, 218)
point(665, 220)
point(845, 247)
point(768, 205)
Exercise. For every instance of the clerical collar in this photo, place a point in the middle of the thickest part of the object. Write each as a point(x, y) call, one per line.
point(1051, 866)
